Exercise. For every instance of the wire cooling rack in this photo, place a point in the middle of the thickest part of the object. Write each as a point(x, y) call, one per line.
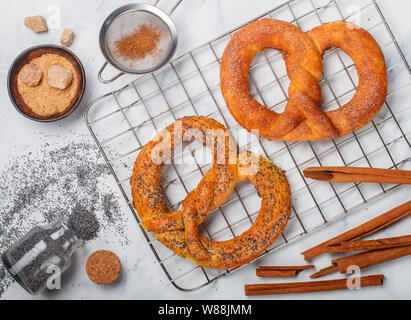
point(123, 121)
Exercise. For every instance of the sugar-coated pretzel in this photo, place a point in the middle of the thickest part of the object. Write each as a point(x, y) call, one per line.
point(302, 118)
point(179, 230)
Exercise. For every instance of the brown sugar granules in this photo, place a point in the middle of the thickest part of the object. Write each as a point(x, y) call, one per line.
point(103, 267)
point(142, 42)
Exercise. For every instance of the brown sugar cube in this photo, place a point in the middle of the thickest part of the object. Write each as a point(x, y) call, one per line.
point(31, 75)
point(66, 38)
point(36, 23)
point(103, 267)
point(59, 78)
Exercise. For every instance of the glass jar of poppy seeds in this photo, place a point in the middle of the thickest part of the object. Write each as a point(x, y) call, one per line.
point(41, 255)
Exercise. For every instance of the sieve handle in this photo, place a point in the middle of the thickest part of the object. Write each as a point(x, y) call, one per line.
point(99, 75)
point(172, 9)
point(175, 7)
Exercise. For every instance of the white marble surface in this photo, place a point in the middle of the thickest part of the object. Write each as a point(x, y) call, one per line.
point(142, 278)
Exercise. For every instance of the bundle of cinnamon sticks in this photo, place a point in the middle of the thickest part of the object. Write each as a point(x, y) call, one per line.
point(373, 251)
point(366, 229)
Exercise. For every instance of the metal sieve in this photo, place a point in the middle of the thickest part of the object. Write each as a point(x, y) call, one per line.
point(122, 22)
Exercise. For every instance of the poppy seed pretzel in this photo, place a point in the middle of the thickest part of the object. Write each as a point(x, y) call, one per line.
point(302, 118)
point(179, 230)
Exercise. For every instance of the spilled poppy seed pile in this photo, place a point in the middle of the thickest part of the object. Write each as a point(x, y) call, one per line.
point(67, 182)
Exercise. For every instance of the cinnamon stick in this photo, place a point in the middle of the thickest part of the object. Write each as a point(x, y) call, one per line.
point(309, 266)
point(367, 245)
point(310, 286)
point(363, 230)
point(363, 260)
point(323, 272)
point(281, 271)
point(358, 174)
point(276, 273)
point(370, 258)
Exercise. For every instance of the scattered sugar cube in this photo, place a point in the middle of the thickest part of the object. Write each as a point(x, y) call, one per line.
point(31, 75)
point(67, 37)
point(59, 78)
point(36, 23)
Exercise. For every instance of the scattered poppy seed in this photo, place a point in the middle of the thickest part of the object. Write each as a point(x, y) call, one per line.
point(67, 181)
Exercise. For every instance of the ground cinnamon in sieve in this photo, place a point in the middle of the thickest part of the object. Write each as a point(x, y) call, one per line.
point(143, 41)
